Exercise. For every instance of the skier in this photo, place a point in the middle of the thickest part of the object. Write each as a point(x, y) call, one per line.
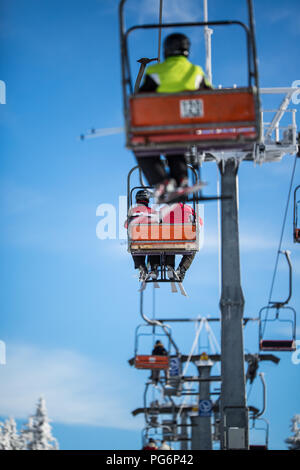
point(164, 446)
point(151, 445)
point(142, 213)
point(174, 75)
point(180, 214)
point(158, 350)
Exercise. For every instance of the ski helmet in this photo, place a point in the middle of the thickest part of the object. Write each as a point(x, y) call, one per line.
point(142, 196)
point(176, 44)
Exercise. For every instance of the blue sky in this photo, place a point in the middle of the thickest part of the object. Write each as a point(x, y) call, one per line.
point(69, 301)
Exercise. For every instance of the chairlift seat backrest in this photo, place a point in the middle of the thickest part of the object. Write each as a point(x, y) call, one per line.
point(277, 345)
point(295, 221)
point(163, 237)
point(210, 119)
point(151, 362)
point(258, 447)
point(283, 314)
point(297, 235)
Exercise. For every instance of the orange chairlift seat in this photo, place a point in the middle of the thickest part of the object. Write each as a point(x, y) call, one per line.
point(151, 362)
point(210, 119)
point(148, 237)
point(275, 343)
point(219, 119)
point(167, 238)
point(258, 447)
point(265, 429)
point(296, 225)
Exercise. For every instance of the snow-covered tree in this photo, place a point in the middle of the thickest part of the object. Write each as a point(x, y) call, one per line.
point(37, 432)
point(10, 439)
point(293, 442)
point(4, 443)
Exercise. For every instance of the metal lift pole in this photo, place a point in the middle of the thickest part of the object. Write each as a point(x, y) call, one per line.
point(234, 413)
point(201, 430)
point(207, 38)
point(184, 432)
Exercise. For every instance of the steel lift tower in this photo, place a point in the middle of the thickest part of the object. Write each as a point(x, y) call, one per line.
point(234, 416)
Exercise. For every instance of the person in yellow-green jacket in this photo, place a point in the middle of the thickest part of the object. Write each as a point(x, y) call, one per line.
point(175, 74)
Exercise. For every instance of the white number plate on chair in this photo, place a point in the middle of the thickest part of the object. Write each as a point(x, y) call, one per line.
point(191, 108)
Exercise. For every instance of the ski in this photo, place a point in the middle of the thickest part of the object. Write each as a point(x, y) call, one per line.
point(180, 195)
point(179, 282)
point(143, 286)
point(174, 288)
point(182, 289)
point(143, 283)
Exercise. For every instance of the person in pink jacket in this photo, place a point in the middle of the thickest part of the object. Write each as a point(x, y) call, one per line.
point(180, 214)
point(141, 213)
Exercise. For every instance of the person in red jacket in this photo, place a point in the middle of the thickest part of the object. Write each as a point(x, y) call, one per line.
point(151, 445)
point(142, 213)
point(181, 213)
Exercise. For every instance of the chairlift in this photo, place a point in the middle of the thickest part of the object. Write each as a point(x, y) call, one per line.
point(281, 313)
point(151, 412)
point(296, 224)
point(159, 433)
point(265, 429)
point(206, 120)
point(150, 361)
point(159, 237)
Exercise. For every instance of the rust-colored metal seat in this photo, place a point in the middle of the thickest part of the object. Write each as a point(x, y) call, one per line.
point(277, 345)
point(210, 119)
point(163, 237)
point(151, 362)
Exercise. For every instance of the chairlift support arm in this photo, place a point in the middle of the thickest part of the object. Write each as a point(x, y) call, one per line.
point(279, 304)
point(295, 218)
point(156, 323)
point(261, 412)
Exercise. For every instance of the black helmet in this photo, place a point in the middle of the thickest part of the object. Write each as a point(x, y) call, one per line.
point(176, 44)
point(142, 196)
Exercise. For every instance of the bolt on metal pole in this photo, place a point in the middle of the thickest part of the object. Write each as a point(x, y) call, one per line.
point(234, 413)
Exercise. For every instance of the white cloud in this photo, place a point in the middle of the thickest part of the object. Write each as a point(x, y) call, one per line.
point(76, 389)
